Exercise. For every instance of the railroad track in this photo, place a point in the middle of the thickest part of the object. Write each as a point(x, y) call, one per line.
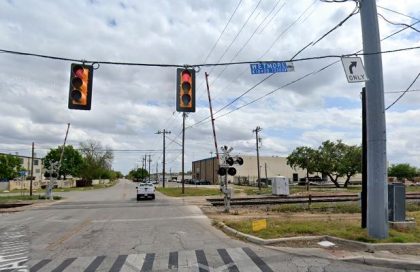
point(271, 200)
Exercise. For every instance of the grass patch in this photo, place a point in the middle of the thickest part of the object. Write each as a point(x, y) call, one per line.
point(96, 186)
point(177, 192)
point(347, 229)
point(18, 198)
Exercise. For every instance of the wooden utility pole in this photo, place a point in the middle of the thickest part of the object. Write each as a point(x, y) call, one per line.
point(183, 149)
point(164, 132)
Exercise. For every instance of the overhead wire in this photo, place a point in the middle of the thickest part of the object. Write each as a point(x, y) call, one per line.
point(397, 24)
point(401, 96)
point(223, 31)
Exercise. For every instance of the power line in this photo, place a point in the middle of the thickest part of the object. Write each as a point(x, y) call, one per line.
point(399, 97)
point(398, 24)
point(409, 91)
point(224, 63)
point(397, 12)
point(301, 78)
point(223, 31)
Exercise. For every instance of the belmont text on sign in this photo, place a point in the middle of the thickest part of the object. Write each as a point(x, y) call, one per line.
point(271, 67)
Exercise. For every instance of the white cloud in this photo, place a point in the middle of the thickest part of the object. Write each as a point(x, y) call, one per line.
point(130, 104)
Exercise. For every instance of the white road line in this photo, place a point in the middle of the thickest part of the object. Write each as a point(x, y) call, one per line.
point(187, 261)
point(242, 261)
point(150, 219)
point(133, 263)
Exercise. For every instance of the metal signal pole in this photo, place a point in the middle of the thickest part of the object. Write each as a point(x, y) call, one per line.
point(183, 149)
point(377, 191)
point(164, 132)
point(256, 130)
point(32, 169)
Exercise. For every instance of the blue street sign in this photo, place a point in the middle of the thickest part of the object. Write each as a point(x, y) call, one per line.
point(271, 67)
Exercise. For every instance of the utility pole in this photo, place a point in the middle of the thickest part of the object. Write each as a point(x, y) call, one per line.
point(164, 132)
point(265, 164)
point(157, 172)
point(32, 169)
point(149, 165)
point(211, 115)
point(212, 173)
point(183, 149)
point(256, 130)
point(145, 166)
point(377, 191)
point(363, 196)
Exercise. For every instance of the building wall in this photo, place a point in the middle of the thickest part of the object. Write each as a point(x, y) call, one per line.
point(206, 169)
point(26, 164)
point(276, 166)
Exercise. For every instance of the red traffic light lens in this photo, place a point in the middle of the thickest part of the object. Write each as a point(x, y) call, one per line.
point(186, 75)
point(78, 70)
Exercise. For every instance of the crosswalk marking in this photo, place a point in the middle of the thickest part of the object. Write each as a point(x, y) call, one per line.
point(242, 260)
point(79, 264)
point(133, 262)
point(95, 264)
point(173, 260)
point(186, 261)
point(231, 259)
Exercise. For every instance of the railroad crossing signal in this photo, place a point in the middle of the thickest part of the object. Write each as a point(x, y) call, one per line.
point(228, 161)
point(185, 90)
point(80, 90)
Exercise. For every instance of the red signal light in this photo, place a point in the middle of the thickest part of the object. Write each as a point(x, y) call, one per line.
point(80, 92)
point(185, 90)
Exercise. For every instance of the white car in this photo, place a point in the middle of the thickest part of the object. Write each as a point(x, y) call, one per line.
point(145, 190)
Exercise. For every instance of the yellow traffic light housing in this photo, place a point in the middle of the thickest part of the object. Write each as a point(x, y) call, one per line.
point(80, 91)
point(185, 90)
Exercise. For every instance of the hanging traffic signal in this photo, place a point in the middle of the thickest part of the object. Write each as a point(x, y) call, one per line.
point(80, 91)
point(185, 90)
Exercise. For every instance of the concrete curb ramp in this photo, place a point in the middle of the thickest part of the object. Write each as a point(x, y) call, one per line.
point(367, 247)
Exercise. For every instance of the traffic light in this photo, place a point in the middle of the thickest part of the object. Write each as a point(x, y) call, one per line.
point(80, 91)
point(185, 90)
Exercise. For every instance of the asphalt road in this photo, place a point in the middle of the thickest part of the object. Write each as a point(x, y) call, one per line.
point(108, 230)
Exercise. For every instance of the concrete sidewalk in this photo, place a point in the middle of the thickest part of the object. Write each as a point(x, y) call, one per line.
point(385, 255)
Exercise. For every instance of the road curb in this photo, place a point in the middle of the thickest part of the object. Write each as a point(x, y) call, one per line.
point(367, 247)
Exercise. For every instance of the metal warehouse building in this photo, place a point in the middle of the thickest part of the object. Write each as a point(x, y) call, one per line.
point(247, 173)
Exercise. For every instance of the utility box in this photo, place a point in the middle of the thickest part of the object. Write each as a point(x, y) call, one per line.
point(396, 202)
point(280, 185)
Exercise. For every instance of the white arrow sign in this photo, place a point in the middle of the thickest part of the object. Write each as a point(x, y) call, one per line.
point(355, 72)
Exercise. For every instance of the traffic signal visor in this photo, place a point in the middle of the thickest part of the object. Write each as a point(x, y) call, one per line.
point(80, 93)
point(186, 90)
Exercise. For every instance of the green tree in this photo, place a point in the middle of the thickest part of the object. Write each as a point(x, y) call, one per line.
point(402, 170)
point(334, 159)
point(305, 158)
point(138, 174)
point(9, 166)
point(330, 157)
point(97, 161)
point(351, 163)
point(72, 160)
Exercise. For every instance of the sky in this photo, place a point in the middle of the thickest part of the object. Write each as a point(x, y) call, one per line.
point(131, 103)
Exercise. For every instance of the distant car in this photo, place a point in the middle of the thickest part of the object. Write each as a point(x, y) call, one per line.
point(194, 182)
point(204, 182)
point(145, 190)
